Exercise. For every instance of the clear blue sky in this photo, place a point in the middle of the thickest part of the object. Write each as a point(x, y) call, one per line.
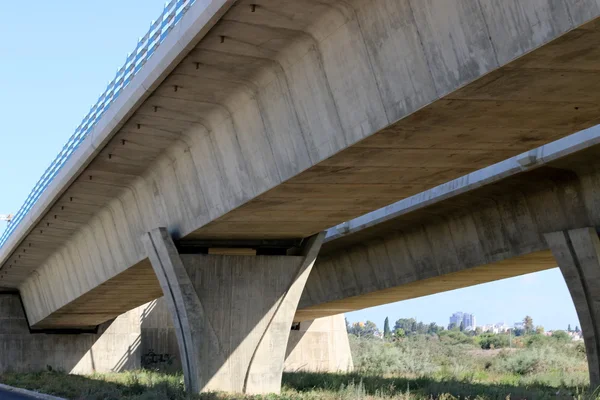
point(57, 58)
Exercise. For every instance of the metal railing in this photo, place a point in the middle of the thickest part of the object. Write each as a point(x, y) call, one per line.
point(146, 46)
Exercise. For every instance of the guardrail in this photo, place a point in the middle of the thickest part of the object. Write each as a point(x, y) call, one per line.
point(159, 29)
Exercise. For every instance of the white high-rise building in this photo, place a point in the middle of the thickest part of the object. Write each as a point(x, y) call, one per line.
point(456, 319)
point(467, 320)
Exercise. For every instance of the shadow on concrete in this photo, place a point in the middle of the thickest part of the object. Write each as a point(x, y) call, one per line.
point(295, 338)
point(130, 359)
point(24, 351)
point(159, 347)
point(359, 385)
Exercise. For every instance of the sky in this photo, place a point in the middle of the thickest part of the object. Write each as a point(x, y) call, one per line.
point(56, 60)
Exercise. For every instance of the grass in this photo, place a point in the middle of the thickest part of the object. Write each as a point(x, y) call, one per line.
point(416, 368)
point(148, 385)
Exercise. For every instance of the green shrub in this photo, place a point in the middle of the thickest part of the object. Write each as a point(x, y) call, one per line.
point(377, 357)
point(455, 337)
point(561, 336)
point(492, 341)
point(519, 363)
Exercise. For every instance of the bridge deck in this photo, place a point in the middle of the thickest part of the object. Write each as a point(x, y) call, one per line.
point(298, 115)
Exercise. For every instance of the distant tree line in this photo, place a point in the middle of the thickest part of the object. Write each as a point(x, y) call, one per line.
point(402, 328)
point(408, 327)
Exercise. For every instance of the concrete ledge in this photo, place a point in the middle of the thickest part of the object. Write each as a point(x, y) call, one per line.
point(29, 393)
point(532, 159)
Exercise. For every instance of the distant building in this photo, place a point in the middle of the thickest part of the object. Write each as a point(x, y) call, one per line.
point(576, 335)
point(499, 327)
point(456, 319)
point(467, 320)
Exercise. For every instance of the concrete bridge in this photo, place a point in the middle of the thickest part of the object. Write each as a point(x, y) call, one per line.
point(238, 132)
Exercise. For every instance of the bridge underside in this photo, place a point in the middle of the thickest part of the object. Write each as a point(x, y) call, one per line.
point(119, 291)
point(527, 264)
point(491, 233)
point(543, 96)
point(286, 124)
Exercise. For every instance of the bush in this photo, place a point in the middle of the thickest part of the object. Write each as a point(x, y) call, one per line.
point(536, 340)
point(541, 357)
point(519, 363)
point(409, 356)
point(492, 341)
point(455, 337)
point(561, 336)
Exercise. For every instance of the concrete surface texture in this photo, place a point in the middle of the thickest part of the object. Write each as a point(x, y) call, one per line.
point(578, 254)
point(158, 337)
point(489, 233)
point(317, 346)
point(232, 314)
point(320, 345)
point(293, 116)
point(115, 347)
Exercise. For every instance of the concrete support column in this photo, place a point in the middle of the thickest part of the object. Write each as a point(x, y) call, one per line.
point(320, 345)
point(577, 253)
point(232, 314)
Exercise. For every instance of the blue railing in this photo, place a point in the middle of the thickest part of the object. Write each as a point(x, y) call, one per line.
point(159, 29)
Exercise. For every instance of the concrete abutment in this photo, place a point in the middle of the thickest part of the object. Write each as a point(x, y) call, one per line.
point(113, 347)
point(232, 314)
point(146, 337)
point(319, 345)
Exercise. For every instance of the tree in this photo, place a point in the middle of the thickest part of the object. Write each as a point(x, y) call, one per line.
point(355, 329)
point(409, 325)
point(370, 328)
point(577, 329)
point(386, 328)
point(561, 335)
point(569, 328)
point(363, 329)
point(434, 328)
point(539, 330)
point(462, 327)
point(399, 333)
point(518, 331)
point(528, 324)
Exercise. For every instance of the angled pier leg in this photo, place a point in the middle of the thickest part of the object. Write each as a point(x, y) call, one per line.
point(232, 314)
point(577, 253)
